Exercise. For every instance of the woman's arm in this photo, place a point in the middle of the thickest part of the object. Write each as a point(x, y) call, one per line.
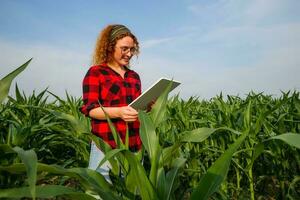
point(126, 113)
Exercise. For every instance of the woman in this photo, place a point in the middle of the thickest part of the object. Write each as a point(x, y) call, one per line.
point(111, 83)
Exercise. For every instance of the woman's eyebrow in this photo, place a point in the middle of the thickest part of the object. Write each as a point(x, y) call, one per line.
point(127, 46)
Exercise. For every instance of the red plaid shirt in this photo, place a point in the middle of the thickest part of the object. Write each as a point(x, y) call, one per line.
point(102, 84)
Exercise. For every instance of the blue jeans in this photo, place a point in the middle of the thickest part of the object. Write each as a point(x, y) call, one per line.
point(96, 155)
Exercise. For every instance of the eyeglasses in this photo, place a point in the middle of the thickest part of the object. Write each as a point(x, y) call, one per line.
point(125, 50)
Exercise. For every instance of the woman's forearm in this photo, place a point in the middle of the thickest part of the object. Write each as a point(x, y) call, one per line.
point(112, 112)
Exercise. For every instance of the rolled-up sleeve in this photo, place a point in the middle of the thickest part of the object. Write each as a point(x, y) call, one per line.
point(90, 89)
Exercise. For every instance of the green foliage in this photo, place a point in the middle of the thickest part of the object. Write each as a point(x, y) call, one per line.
point(222, 148)
point(33, 123)
point(260, 156)
point(56, 131)
point(90, 180)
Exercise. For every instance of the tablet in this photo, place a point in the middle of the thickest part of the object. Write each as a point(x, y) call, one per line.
point(152, 93)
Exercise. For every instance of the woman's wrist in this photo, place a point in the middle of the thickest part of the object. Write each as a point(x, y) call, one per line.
point(115, 112)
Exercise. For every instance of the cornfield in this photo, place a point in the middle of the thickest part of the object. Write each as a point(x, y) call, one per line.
point(227, 147)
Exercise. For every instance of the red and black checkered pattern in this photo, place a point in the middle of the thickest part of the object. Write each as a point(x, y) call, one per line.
point(102, 84)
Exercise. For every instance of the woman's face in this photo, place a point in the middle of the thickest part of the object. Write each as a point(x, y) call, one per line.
point(124, 50)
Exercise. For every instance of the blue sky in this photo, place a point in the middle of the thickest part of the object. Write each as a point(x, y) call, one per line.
point(233, 46)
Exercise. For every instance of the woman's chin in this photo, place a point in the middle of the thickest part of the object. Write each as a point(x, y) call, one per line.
point(125, 63)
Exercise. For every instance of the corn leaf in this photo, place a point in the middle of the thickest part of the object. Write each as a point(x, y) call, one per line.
point(7, 80)
point(215, 175)
point(48, 191)
point(90, 179)
point(197, 135)
point(258, 150)
point(29, 158)
point(169, 153)
point(110, 155)
point(114, 132)
point(161, 183)
point(171, 177)
point(147, 191)
point(159, 108)
point(151, 143)
point(76, 124)
point(148, 135)
point(292, 139)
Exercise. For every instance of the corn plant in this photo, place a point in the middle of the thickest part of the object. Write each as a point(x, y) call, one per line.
point(27, 160)
point(158, 184)
point(262, 116)
point(194, 141)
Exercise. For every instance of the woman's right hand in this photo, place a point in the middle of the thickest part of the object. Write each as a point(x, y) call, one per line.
point(128, 114)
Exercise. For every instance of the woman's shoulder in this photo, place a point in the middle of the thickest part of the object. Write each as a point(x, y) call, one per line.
point(98, 69)
point(133, 73)
point(92, 71)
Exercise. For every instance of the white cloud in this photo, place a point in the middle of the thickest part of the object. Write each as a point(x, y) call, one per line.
point(257, 10)
point(267, 36)
point(202, 8)
point(227, 50)
point(277, 70)
point(277, 67)
point(234, 13)
point(158, 41)
point(57, 68)
point(63, 69)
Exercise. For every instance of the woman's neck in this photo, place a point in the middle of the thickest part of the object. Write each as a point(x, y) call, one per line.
point(115, 66)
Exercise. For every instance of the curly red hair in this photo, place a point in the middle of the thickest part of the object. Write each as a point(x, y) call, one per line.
point(104, 48)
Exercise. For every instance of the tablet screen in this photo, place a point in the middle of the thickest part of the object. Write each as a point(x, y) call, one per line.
point(152, 93)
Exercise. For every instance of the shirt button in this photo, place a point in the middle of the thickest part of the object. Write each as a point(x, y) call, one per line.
point(129, 99)
point(126, 84)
